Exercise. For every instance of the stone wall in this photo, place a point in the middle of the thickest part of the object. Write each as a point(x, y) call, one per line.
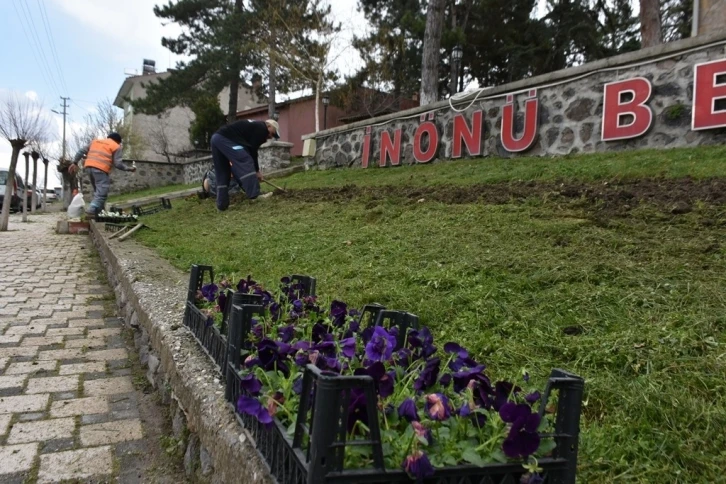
point(150, 295)
point(274, 155)
point(570, 110)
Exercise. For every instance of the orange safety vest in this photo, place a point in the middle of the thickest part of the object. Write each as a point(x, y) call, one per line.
point(100, 154)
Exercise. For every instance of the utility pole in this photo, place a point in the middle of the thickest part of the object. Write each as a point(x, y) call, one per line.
point(66, 192)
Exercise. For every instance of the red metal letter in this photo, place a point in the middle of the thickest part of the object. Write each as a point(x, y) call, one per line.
point(390, 149)
point(706, 91)
point(472, 139)
point(430, 129)
point(531, 114)
point(366, 148)
point(614, 108)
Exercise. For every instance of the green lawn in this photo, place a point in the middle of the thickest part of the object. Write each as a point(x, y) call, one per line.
point(635, 304)
point(150, 192)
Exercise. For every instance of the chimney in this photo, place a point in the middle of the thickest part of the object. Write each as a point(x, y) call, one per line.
point(149, 67)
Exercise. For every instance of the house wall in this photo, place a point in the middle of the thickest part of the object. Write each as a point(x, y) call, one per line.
point(297, 119)
point(169, 132)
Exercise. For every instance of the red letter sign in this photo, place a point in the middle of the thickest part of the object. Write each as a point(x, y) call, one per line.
point(391, 149)
point(472, 139)
point(614, 108)
point(531, 111)
point(706, 91)
point(366, 148)
point(426, 128)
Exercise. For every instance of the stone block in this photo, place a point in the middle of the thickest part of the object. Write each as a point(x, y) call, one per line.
point(76, 464)
point(111, 432)
point(42, 430)
point(79, 406)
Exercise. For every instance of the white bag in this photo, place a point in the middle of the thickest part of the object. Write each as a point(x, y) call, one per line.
point(76, 208)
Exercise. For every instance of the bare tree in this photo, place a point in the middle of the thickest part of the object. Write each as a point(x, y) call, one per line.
point(308, 57)
point(650, 28)
point(106, 119)
point(159, 138)
point(21, 121)
point(431, 52)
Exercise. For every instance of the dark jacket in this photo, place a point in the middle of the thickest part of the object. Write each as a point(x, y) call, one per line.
point(250, 134)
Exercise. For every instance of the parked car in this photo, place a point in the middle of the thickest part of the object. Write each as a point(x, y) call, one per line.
point(38, 197)
point(50, 194)
point(18, 188)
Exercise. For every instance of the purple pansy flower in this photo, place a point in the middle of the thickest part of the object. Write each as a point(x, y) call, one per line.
point(347, 347)
point(297, 386)
point(250, 384)
point(428, 375)
point(222, 300)
point(357, 409)
point(423, 341)
point(386, 383)
point(407, 410)
point(437, 406)
point(381, 345)
point(270, 358)
point(418, 466)
point(251, 406)
point(502, 392)
point(286, 333)
point(533, 397)
point(209, 291)
point(244, 285)
point(421, 431)
point(338, 312)
point(462, 378)
point(523, 439)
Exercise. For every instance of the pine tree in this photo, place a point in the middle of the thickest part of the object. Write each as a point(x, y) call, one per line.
point(677, 18)
point(220, 47)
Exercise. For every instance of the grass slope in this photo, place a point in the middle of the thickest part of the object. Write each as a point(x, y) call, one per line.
point(635, 304)
point(151, 191)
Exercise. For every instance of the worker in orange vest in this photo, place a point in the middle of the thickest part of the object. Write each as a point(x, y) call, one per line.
point(101, 156)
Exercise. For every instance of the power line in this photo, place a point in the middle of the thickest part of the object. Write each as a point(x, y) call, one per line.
point(34, 30)
point(34, 48)
point(51, 42)
point(37, 47)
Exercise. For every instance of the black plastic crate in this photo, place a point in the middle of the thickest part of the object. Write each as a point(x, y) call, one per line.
point(116, 219)
point(292, 461)
point(162, 204)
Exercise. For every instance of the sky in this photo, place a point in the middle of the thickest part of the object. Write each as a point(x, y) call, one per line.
point(82, 48)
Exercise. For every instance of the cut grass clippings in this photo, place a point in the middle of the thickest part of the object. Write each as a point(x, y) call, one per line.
point(632, 300)
point(151, 192)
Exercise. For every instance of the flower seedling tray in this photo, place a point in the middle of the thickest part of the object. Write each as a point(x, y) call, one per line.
point(161, 205)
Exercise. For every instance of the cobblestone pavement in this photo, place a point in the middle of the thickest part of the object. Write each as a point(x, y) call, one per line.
point(68, 406)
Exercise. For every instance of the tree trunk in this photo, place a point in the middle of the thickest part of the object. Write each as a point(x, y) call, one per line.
point(650, 29)
point(453, 70)
point(5, 214)
point(45, 186)
point(272, 88)
point(34, 194)
point(24, 198)
point(234, 75)
point(317, 103)
point(431, 54)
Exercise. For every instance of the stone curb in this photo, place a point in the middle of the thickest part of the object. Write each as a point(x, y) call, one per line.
point(151, 300)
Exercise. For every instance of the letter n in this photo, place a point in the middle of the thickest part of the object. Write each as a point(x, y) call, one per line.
point(390, 149)
point(471, 138)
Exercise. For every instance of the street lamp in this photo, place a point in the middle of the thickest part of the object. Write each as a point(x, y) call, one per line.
point(326, 101)
point(456, 55)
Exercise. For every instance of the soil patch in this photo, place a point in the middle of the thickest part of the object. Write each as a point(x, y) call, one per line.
point(614, 197)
